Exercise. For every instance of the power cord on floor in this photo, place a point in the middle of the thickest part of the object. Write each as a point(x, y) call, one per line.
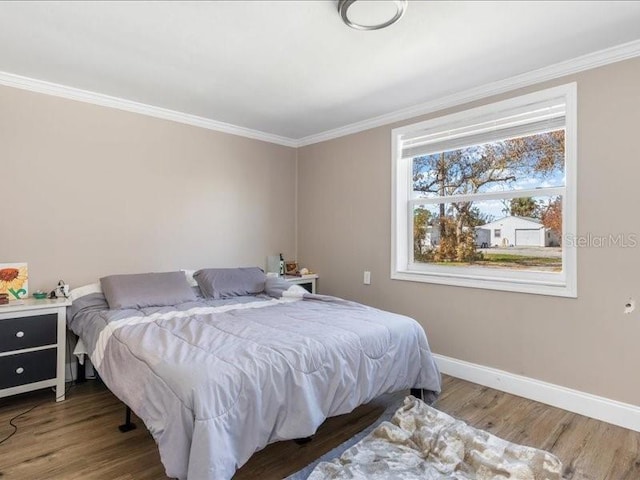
point(15, 417)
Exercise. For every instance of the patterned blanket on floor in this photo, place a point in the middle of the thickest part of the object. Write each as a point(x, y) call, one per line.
point(421, 442)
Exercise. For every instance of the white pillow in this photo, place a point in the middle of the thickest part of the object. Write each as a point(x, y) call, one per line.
point(85, 290)
point(189, 274)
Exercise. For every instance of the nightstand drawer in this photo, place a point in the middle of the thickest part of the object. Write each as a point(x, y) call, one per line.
point(27, 332)
point(30, 367)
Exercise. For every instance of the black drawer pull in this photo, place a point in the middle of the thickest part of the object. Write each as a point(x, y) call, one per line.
point(19, 370)
point(20, 334)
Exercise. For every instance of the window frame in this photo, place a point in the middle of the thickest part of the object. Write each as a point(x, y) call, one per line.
point(562, 284)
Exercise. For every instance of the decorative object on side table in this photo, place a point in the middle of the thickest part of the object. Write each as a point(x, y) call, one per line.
point(291, 268)
point(61, 291)
point(14, 280)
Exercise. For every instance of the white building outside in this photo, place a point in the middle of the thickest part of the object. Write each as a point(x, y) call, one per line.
point(516, 231)
point(504, 232)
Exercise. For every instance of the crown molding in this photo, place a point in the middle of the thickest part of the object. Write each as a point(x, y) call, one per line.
point(585, 62)
point(49, 88)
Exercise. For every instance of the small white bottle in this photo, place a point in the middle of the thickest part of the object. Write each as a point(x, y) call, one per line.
point(281, 265)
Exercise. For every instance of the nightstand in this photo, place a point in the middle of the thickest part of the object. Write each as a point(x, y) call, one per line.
point(32, 346)
point(306, 281)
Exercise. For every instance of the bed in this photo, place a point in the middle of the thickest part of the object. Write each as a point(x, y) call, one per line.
point(219, 370)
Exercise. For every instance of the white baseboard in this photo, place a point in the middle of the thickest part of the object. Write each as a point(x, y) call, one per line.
point(601, 408)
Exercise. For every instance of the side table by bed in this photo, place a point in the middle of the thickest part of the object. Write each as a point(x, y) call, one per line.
point(32, 346)
point(306, 281)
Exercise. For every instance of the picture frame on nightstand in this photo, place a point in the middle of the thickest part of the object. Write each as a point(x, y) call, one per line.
point(14, 280)
point(291, 268)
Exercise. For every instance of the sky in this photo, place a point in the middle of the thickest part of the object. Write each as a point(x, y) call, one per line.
point(494, 208)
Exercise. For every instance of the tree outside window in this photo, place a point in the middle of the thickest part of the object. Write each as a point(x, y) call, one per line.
point(483, 197)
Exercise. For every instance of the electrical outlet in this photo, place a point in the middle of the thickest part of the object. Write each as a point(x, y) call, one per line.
point(367, 278)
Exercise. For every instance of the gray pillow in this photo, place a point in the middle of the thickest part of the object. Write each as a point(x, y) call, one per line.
point(230, 282)
point(146, 290)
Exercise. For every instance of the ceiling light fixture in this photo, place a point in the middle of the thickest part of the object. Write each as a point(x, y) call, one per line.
point(371, 14)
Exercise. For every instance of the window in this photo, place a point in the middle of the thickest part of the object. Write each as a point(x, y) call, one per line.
point(486, 197)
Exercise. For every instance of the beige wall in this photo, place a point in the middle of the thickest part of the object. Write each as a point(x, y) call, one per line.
point(585, 343)
point(89, 191)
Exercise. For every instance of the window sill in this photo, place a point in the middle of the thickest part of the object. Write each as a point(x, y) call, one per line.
point(556, 289)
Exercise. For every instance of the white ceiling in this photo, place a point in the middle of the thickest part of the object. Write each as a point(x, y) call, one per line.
point(292, 68)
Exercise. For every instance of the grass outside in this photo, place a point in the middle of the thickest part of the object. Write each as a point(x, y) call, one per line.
point(520, 261)
point(516, 262)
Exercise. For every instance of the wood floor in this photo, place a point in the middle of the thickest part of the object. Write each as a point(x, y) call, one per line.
point(78, 438)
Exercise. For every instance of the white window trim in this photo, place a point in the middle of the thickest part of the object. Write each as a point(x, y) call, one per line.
point(402, 268)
